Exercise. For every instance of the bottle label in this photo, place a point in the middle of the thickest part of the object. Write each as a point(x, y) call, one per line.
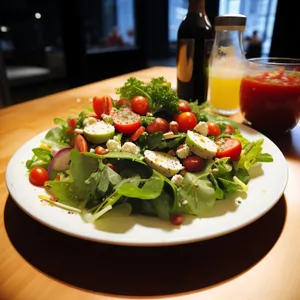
point(185, 59)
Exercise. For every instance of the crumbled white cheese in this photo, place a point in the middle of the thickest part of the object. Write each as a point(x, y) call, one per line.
point(131, 148)
point(89, 121)
point(177, 179)
point(201, 128)
point(183, 152)
point(113, 145)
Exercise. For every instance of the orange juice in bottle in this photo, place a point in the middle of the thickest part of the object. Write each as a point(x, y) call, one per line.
point(226, 65)
point(224, 89)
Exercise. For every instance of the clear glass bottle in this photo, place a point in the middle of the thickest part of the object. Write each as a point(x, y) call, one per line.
point(227, 63)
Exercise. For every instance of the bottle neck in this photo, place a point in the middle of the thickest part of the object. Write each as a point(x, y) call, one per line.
point(231, 42)
point(197, 7)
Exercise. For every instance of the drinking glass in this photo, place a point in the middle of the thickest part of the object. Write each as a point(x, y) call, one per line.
point(270, 94)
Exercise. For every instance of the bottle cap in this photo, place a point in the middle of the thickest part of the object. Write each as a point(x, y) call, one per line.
point(231, 20)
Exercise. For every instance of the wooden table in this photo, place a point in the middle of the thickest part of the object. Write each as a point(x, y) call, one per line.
point(261, 261)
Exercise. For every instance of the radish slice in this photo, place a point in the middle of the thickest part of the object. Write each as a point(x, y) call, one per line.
point(60, 162)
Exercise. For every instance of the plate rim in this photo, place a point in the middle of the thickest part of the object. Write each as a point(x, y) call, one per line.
point(173, 242)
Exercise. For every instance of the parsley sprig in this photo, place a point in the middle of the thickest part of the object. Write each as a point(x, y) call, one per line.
point(158, 92)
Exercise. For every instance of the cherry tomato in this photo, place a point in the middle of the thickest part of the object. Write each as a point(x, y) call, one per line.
point(229, 129)
point(186, 121)
point(79, 143)
point(137, 134)
point(159, 124)
point(123, 102)
point(102, 105)
point(194, 163)
point(213, 128)
point(140, 105)
point(38, 176)
point(72, 123)
point(176, 219)
point(126, 121)
point(100, 150)
point(183, 106)
point(228, 147)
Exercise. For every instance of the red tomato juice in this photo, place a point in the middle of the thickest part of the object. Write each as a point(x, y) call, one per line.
point(270, 101)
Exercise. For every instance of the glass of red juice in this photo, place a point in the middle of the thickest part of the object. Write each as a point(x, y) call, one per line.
point(270, 94)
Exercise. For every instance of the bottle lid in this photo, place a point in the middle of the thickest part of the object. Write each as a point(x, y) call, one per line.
point(231, 20)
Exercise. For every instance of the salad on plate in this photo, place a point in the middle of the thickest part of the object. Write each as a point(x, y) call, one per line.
point(147, 152)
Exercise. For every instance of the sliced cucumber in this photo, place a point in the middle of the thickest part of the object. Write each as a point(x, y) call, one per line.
point(99, 132)
point(201, 145)
point(164, 163)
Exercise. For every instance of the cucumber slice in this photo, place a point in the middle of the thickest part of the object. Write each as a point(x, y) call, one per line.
point(201, 145)
point(99, 132)
point(164, 163)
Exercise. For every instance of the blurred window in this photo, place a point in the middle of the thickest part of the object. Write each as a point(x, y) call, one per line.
point(109, 24)
point(177, 11)
point(260, 17)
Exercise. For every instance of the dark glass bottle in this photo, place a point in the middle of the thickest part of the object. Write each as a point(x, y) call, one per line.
point(194, 43)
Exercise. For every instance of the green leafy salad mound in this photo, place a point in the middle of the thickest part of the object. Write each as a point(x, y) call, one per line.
point(156, 162)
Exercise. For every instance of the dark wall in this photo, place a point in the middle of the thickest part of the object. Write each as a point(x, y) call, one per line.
point(85, 67)
point(286, 36)
point(152, 26)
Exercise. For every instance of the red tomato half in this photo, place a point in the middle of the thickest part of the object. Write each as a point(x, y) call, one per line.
point(186, 121)
point(38, 176)
point(159, 124)
point(183, 106)
point(228, 147)
point(126, 121)
point(213, 129)
point(102, 105)
point(140, 105)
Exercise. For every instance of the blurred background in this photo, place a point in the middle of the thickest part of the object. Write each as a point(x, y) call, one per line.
point(52, 45)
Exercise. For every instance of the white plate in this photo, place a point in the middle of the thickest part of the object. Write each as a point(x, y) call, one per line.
point(226, 216)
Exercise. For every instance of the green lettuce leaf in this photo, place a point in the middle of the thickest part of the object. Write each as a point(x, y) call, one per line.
point(56, 137)
point(150, 190)
point(251, 154)
point(41, 158)
point(197, 192)
point(163, 205)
